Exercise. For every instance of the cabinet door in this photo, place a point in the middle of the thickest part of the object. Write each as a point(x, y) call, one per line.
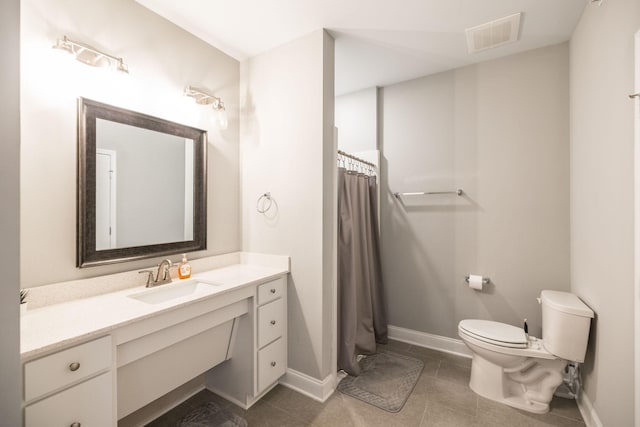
point(89, 404)
point(271, 364)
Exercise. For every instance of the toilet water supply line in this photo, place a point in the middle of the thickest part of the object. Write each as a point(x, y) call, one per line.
point(573, 380)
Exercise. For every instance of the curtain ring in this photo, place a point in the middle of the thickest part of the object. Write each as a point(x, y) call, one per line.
point(260, 204)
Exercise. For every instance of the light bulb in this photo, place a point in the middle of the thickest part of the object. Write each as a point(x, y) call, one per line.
point(222, 120)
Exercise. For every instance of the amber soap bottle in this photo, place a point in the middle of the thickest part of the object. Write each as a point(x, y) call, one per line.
point(184, 269)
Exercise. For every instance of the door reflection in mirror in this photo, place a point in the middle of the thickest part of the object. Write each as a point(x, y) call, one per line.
point(106, 176)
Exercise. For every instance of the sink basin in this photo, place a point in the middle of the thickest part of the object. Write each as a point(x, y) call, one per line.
point(175, 290)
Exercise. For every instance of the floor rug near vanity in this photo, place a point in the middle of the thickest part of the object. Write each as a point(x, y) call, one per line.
point(211, 415)
point(386, 380)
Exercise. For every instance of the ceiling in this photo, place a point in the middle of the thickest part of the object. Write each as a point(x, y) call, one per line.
point(378, 42)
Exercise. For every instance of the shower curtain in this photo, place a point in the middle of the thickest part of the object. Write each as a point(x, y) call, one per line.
point(361, 316)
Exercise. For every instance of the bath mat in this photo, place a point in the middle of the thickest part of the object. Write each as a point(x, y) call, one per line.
point(211, 415)
point(386, 380)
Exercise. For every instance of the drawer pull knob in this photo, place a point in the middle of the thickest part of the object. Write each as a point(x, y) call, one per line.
point(273, 322)
point(273, 290)
point(74, 367)
point(76, 424)
point(273, 364)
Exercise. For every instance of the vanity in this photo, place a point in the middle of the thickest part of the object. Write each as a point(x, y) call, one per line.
point(108, 351)
point(94, 361)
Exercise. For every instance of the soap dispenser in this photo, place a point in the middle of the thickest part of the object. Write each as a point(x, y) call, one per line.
point(184, 269)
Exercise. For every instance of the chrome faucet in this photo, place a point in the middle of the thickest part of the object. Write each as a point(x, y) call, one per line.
point(162, 276)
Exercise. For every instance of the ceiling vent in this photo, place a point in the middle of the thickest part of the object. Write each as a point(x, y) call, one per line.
point(493, 34)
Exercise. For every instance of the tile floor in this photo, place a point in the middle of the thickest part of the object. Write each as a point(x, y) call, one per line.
point(441, 398)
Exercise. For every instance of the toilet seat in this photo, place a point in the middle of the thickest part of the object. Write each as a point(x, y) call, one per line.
point(496, 333)
point(534, 347)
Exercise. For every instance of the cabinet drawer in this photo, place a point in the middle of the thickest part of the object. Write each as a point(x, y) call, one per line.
point(271, 364)
point(90, 404)
point(270, 291)
point(270, 322)
point(57, 370)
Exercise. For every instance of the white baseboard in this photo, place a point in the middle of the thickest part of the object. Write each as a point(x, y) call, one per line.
point(587, 410)
point(319, 390)
point(423, 339)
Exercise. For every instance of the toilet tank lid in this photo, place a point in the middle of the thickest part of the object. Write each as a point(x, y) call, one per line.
point(565, 302)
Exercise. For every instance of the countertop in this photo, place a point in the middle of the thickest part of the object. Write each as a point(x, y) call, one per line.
point(60, 325)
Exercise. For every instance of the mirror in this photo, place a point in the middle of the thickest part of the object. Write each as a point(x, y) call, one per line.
point(141, 186)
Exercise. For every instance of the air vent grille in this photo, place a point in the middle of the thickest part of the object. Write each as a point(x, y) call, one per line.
point(493, 34)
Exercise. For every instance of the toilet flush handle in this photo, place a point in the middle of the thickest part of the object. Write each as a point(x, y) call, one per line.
point(539, 300)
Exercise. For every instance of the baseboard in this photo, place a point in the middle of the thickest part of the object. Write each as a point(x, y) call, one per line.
point(423, 339)
point(319, 390)
point(587, 410)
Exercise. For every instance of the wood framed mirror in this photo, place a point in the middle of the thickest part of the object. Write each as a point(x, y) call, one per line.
point(142, 186)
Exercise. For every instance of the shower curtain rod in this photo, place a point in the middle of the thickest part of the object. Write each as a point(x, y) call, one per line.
point(357, 159)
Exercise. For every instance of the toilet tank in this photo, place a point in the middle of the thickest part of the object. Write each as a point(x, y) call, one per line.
point(565, 325)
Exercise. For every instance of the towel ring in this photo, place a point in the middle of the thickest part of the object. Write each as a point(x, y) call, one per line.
point(262, 200)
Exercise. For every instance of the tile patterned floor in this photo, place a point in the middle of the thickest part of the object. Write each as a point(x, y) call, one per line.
point(441, 398)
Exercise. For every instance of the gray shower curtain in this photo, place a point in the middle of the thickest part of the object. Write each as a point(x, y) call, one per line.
point(361, 316)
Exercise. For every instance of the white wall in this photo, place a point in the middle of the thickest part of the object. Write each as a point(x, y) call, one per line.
point(637, 234)
point(163, 59)
point(286, 139)
point(357, 120)
point(10, 372)
point(498, 130)
point(602, 156)
point(329, 209)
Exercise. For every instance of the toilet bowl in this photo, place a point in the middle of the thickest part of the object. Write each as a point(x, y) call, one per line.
point(522, 371)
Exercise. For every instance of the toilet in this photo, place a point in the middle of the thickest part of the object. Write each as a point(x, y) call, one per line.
point(523, 371)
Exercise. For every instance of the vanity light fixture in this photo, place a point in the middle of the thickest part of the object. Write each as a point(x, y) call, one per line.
point(204, 98)
point(90, 56)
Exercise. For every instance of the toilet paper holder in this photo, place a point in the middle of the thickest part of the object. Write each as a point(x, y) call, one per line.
point(485, 280)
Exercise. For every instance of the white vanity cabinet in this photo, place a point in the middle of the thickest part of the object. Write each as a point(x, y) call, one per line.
point(271, 343)
point(260, 354)
point(71, 388)
point(157, 355)
point(227, 325)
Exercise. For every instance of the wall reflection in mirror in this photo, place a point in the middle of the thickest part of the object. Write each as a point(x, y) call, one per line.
point(126, 197)
point(142, 186)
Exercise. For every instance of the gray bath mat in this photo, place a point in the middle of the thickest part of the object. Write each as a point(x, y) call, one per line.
point(386, 380)
point(211, 415)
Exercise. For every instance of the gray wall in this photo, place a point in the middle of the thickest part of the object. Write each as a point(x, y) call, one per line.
point(10, 377)
point(602, 202)
point(499, 130)
point(163, 59)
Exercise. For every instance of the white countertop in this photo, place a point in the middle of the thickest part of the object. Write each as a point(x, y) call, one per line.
point(60, 325)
